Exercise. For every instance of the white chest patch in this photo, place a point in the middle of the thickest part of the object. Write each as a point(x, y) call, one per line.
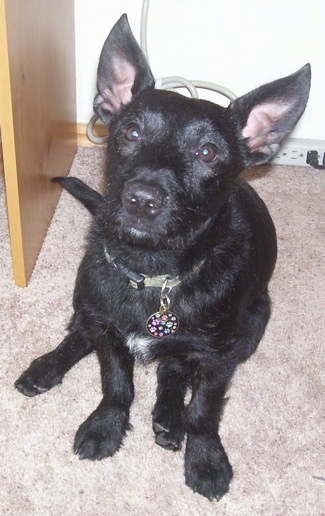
point(139, 346)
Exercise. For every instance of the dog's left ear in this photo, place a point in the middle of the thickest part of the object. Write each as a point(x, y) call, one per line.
point(268, 114)
point(123, 71)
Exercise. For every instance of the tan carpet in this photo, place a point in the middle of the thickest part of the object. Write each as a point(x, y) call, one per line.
point(273, 427)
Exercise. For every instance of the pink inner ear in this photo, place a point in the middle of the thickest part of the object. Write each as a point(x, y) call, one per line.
point(124, 77)
point(121, 90)
point(261, 122)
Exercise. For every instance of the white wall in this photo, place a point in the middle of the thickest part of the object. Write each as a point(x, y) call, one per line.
point(238, 44)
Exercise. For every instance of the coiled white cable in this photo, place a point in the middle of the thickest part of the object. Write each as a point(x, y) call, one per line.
point(166, 83)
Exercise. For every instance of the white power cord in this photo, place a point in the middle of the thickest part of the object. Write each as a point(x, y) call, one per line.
point(166, 83)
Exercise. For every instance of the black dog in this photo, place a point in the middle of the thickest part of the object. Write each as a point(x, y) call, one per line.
point(179, 258)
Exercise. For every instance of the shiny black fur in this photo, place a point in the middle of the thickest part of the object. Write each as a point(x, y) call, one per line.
point(174, 205)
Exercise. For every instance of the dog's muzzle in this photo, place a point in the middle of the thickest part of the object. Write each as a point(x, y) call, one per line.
point(143, 200)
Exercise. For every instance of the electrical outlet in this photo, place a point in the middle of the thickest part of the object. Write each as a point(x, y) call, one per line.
point(294, 152)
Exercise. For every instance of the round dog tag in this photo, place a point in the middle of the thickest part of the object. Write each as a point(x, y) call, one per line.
point(162, 323)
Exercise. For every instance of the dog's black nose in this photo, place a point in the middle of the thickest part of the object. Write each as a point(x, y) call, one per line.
point(143, 200)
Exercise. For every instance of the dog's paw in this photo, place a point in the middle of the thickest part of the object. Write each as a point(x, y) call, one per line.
point(101, 435)
point(167, 424)
point(169, 438)
point(38, 378)
point(207, 468)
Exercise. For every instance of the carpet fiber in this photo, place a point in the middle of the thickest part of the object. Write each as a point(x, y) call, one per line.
point(273, 426)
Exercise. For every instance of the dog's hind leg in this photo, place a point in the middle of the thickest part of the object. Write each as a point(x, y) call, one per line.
point(48, 370)
point(102, 433)
point(254, 322)
point(173, 379)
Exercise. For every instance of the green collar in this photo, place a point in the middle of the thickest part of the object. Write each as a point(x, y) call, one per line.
point(141, 281)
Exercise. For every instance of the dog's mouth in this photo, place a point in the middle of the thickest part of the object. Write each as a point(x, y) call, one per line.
point(155, 215)
point(141, 229)
point(143, 210)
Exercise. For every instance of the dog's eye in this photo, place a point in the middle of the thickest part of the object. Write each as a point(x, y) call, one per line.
point(207, 153)
point(132, 133)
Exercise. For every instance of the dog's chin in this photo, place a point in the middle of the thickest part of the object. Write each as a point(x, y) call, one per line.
point(156, 235)
point(137, 235)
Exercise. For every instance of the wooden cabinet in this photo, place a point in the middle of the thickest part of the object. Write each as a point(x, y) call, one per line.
point(37, 117)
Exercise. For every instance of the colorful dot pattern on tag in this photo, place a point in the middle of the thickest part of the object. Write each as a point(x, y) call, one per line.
point(162, 325)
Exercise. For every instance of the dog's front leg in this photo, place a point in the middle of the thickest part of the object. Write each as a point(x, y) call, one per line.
point(102, 433)
point(207, 468)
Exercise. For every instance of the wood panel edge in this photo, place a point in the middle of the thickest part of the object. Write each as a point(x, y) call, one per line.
point(9, 157)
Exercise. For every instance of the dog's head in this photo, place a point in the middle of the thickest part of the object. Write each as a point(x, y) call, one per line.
point(172, 161)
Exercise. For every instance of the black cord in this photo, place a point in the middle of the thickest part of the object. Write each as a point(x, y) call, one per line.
point(312, 160)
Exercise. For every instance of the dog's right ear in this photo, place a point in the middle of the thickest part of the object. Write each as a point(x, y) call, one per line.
point(266, 115)
point(123, 71)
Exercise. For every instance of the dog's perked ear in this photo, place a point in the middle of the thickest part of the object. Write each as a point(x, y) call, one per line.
point(265, 116)
point(123, 71)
